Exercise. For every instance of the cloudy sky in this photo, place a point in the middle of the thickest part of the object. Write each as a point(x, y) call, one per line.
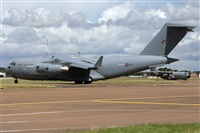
point(95, 28)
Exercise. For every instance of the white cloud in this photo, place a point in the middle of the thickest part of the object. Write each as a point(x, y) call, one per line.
point(191, 38)
point(116, 12)
point(22, 35)
point(36, 17)
point(118, 29)
point(40, 17)
point(135, 46)
point(158, 13)
point(69, 49)
point(189, 65)
point(169, 9)
point(187, 13)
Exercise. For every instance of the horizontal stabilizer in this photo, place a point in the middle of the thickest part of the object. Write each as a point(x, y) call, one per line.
point(170, 60)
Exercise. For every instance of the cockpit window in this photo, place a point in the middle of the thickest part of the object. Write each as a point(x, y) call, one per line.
point(55, 60)
point(13, 63)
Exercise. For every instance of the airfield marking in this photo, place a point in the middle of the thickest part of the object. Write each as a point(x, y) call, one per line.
point(147, 103)
point(111, 100)
point(13, 122)
point(77, 111)
point(51, 102)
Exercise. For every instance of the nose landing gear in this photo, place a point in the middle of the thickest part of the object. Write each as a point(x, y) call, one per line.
point(15, 81)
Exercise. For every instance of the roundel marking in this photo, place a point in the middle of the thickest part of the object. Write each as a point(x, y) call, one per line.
point(126, 64)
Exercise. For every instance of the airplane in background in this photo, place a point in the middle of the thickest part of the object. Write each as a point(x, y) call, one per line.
point(82, 70)
point(170, 75)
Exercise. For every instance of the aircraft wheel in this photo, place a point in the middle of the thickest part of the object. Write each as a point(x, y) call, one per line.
point(78, 82)
point(16, 81)
point(89, 81)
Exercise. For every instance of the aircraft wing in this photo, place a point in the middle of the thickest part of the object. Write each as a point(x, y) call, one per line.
point(81, 64)
point(87, 65)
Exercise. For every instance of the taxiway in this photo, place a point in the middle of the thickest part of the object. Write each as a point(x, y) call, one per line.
point(71, 107)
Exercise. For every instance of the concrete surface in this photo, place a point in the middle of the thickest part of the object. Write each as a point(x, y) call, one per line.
point(71, 107)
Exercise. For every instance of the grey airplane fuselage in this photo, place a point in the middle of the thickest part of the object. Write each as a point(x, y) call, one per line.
point(87, 70)
point(111, 67)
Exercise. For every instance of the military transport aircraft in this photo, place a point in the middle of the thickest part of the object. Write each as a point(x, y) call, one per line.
point(170, 75)
point(81, 70)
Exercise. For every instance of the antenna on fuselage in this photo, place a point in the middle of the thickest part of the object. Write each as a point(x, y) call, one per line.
point(79, 54)
point(47, 52)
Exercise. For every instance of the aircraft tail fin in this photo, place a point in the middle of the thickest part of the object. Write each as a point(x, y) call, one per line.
point(166, 39)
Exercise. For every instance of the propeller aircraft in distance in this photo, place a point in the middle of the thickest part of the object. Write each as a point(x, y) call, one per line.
point(170, 75)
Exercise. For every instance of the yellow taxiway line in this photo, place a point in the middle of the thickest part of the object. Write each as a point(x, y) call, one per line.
point(147, 103)
point(114, 100)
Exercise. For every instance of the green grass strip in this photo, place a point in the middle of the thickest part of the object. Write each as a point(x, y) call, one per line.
point(152, 128)
point(9, 83)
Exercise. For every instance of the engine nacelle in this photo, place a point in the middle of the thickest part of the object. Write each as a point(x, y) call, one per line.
point(41, 68)
point(52, 69)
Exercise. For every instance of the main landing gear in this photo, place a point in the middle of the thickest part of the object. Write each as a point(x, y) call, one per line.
point(15, 81)
point(85, 82)
point(81, 82)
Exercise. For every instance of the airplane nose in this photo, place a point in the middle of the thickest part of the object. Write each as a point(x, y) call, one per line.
point(189, 75)
point(7, 70)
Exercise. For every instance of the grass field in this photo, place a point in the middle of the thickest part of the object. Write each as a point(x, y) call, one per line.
point(136, 81)
point(7, 83)
point(152, 128)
